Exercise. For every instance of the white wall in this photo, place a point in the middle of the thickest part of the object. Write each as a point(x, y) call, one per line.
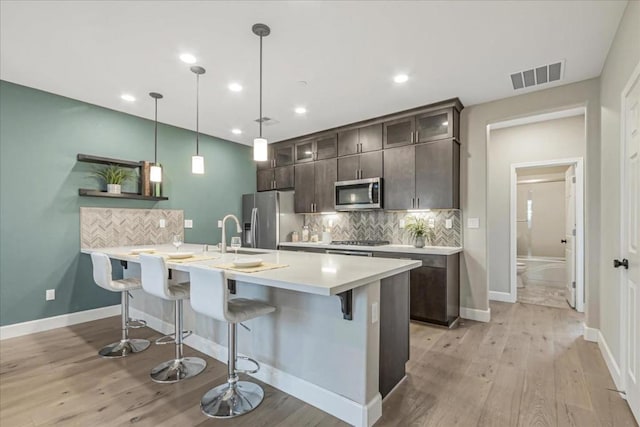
point(623, 57)
point(549, 140)
point(474, 291)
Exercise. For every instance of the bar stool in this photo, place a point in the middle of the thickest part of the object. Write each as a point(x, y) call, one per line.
point(103, 278)
point(155, 281)
point(209, 296)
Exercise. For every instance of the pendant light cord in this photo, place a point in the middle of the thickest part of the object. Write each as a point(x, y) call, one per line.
point(260, 118)
point(197, 114)
point(155, 137)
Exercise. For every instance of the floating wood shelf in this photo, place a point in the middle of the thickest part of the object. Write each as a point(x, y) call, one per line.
point(107, 161)
point(85, 192)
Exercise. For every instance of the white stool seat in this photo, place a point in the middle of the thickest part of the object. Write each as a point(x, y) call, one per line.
point(243, 309)
point(102, 275)
point(178, 291)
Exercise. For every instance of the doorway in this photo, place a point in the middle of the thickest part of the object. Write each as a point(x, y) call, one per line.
point(547, 233)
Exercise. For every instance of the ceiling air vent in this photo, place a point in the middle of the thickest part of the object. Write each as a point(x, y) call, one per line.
point(538, 75)
point(267, 121)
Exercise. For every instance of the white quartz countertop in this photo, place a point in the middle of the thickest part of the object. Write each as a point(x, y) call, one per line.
point(320, 274)
point(409, 249)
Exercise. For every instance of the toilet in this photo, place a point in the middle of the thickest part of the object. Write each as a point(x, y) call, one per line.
point(521, 269)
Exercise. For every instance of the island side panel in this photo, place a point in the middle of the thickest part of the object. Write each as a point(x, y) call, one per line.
point(394, 330)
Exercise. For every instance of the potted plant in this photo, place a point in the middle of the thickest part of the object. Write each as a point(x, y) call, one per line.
point(114, 176)
point(419, 230)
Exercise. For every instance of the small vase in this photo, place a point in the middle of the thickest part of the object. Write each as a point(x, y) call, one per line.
point(419, 243)
point(114, 188)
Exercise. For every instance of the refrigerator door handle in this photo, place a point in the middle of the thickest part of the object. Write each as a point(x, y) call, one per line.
point(254, 225)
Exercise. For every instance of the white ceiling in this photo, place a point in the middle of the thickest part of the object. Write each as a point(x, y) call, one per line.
point(347, 51)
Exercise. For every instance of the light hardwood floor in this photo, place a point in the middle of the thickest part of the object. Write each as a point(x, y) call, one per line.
point(528, 367)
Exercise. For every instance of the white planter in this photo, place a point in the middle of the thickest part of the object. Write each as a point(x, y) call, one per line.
point(114, 188)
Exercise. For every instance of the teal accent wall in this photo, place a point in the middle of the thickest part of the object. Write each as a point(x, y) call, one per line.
point(40, 136)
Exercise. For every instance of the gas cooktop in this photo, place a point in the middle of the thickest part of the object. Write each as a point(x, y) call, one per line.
point(360, 242)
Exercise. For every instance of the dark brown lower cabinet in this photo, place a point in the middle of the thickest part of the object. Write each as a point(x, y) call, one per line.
point(435, 287)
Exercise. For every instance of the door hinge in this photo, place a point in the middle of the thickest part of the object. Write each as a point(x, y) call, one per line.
point(573, 179)
point(573, 232)
point(573, 285)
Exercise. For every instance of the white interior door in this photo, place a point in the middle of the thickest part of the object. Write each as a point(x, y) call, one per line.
point(631, 235)
point(569, 239)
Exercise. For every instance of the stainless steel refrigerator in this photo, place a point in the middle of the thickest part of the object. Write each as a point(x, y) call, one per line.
point(268, 219)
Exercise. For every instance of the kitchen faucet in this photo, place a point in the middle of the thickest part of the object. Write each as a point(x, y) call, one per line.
point(223, 246)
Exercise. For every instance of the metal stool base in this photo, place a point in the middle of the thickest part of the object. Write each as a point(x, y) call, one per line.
point(123, 348)
point(176, 370)
point(228, 401)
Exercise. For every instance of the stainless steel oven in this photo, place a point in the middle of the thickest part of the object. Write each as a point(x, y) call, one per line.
point(359, 194)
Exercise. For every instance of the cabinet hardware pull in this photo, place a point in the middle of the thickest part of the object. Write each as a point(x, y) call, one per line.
point(413, 203)
point(418, 204)
point(356, 173)
point(360, 173)
point(417, 136)
point(411, 137)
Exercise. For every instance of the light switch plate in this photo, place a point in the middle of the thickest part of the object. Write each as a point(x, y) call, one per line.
point(402, 223)
point(163, 223)
point(448, 223)
point(473, 222)
point(431, 222)
point(219, 223)
point(50, 294)
point(375, 314)
point(188, 223)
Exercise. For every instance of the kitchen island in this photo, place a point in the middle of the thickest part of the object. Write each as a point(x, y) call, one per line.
point(323, 343)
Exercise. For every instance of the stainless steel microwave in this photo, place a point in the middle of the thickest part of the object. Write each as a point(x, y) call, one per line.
point(359, 194)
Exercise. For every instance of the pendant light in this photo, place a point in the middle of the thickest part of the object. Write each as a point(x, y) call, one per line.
point(155, 173)
point(197, 161)
point(260, 144)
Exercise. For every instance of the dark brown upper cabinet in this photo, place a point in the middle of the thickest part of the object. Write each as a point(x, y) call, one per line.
point(434, 125)
point(424, 176)
point(315, 186)
point(360, 140)
point(424, 127)
point(360, 166)
point(399, 132)
point(280, 178)
point(283, 154)
point(321, 148)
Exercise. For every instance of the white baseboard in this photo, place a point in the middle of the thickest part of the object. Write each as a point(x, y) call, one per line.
point(328, 401)
point(501, 296)
point(590, 334)
point(475, 314)
point(48, 323)
point(614, 369)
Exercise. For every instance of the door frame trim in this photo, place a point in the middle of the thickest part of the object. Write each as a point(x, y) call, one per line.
point(624, 314)
point(578, 162)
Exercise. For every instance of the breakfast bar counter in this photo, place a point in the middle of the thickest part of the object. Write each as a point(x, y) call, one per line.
point(338, 339)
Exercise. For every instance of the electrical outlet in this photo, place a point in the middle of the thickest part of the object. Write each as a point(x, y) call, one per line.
point(473, 222)
point(375, 314)
point(188, 223)
point(431, 222)
point(448, 223)
point(219, 223)
point(163, 223)
point(50, 295)
point(402, 223)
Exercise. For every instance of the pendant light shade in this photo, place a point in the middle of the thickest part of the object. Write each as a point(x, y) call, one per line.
point(155, 172)
point(260, 152)
point(197, 161)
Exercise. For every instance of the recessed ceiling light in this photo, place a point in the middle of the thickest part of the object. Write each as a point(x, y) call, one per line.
point(236, 131)
point(300, 110)
point(400, 78)
point(127, 97)
point(235, 87)
point(188, 58)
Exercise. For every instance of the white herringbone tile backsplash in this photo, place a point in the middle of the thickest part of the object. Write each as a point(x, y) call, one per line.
point(109, 227)
point(380, 225)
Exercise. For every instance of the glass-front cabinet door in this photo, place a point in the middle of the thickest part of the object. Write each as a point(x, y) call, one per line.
point(283, 154)
point(326, 147)
point(304, 151)
point(434, 125)
point(398, 132)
